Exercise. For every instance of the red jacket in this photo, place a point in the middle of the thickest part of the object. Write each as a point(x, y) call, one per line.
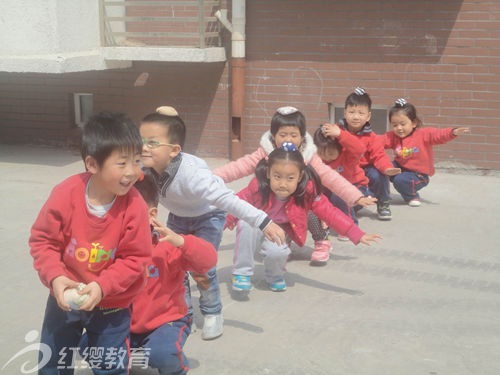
point(112, 250)
point(297, 215)
point(348, 162)
point(163, 300)
point(415, 151)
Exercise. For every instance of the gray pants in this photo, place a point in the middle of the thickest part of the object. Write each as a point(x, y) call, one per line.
point(249, 240)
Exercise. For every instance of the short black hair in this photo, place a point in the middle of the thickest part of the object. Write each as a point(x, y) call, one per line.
point(175, 127)
point(148, 189)
point(109, 131)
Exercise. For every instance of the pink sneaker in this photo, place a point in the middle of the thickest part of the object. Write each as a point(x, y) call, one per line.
point(321, 252)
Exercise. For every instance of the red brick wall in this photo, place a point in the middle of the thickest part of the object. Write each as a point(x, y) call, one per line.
point(443, 56)
point(38, 108)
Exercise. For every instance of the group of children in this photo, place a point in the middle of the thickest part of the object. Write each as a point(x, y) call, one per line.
point(99, 234)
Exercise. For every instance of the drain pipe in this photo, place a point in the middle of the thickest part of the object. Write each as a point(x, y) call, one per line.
point(237, 70)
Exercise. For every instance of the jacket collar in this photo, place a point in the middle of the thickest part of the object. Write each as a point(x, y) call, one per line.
point(307, 149)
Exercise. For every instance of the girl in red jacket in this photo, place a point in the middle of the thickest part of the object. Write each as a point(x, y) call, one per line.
point(286, 189)
point(412, 147)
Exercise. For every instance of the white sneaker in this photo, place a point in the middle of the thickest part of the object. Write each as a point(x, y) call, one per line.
point(212, 326)
point(414, 202)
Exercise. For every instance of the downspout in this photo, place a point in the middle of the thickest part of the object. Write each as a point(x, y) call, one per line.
point(237, 71)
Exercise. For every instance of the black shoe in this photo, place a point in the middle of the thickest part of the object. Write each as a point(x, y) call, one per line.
point(384, 211)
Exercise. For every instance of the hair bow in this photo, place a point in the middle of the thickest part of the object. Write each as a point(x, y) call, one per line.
point(167, 111)
point(288, 110)
point(289, 146)
point(401, 102)
point(359, 91)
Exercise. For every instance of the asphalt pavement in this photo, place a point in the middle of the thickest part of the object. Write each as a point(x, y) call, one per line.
point(424, 300)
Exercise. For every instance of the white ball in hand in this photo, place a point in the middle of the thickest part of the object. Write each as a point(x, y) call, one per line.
point(73, 299)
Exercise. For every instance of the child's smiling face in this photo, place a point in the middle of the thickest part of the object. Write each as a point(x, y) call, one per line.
point(401, 124)
point(356, 117)
point(157, 152)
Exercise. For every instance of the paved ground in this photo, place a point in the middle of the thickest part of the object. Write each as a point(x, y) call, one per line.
point(425, 300)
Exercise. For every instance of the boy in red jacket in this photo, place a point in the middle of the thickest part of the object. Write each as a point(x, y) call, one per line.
point(93, 232)
point(160, 319)
point(375, 162)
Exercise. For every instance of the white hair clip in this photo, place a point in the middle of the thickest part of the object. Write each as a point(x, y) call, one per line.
point(167, 111)
point(288, 110)
point(401, 102)
point(359, 91)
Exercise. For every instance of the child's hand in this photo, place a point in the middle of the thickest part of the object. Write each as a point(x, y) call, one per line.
point(95, 296)
point(392, 171)
point(460, 131)
point(202, 281)
point(367, 239)
point(167, 234)
point(331, 130)
point(366, 201)
point(275, 233)
point(59, 285)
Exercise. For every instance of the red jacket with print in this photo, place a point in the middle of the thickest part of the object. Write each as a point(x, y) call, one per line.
point(415, 151)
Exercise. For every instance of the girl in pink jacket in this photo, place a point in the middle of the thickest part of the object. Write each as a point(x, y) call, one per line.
point(286, 189)
point(289, 125)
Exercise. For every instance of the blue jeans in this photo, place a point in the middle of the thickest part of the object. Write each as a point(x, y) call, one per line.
point(209, 227)
point(164, 346)
point(408, 183)
point(107, 331)
point(378, 184)
point(342, 205)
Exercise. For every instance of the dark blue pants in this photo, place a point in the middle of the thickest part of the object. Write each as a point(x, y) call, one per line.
point(163, 346)
point(378, 184)
point(408, 183)
point(107, 330)
point(209, 227)
point(342, 205)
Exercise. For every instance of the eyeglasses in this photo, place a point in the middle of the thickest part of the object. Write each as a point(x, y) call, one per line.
point(151, 143)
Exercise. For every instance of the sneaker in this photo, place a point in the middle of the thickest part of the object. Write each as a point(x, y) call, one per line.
point(384, 211)
point(212, 326)
point(321, 252)
point(242, 283)
point(278, 285)
point(343, 238)
point(414, 203)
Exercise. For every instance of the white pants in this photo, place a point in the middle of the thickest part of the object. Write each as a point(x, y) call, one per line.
point(249, 240)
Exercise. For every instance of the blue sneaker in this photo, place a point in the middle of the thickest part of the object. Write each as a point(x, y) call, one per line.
point(242, 283)
point(278, 285)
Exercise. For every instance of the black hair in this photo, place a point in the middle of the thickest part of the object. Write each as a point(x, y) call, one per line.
point(148, 189)
point(408, 109)
point(323, 142)
point(175, 127)
point(308, 174)
point(109, 131)
point(357, 98)
point(296, 119)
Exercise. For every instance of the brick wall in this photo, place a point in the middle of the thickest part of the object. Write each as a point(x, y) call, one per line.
point(443, 56)
point(38, 108)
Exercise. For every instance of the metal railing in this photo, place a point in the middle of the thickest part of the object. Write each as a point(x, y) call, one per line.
point(154, 23)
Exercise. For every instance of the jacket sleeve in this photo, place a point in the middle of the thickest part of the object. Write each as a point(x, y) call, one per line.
point(336, 219)
point(47, 240)
point(133, 253)
point(377, 155)
point(244, 166)
point(351, 145)
point(198, 255)
point(335, 182)
point(436, 136)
